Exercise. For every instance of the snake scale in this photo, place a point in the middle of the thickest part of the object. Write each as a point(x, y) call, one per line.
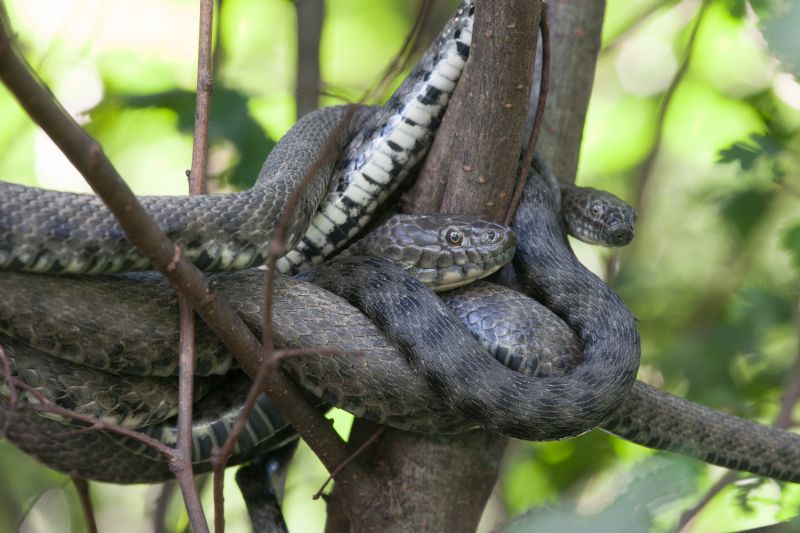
point(424, 372)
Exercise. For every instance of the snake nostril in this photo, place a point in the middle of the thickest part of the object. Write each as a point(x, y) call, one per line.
point(621, 236)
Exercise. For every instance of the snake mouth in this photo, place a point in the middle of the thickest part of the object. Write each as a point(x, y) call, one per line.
point(453, 277)
point(619, 235)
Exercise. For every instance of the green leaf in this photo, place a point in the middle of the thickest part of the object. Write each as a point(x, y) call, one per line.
point(746, 153)
point(790, 241)
point(744, 210)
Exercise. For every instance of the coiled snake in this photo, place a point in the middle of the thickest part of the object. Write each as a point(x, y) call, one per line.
point(424, 371)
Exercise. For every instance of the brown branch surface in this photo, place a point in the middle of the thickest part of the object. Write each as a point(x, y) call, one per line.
point(575, 42)
point(441, 483)
point(472, 164)
point(181, 465)
point(202, 113)
point(403, 55)
point(538, 117)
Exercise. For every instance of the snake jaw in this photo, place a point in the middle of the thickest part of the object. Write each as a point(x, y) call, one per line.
point(458, 276)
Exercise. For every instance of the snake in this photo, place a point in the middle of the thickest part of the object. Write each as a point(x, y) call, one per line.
point(460, 388)
point(646, 415)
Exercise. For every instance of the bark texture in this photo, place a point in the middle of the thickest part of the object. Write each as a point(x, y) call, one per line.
point(472, 164)
point(442, 483)
point(575, 32)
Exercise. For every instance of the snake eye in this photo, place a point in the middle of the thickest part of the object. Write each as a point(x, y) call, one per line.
point(453, 237)
point(597, 209)
point(491, 234)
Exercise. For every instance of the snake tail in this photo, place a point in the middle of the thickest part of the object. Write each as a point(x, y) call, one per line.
point(659, 420)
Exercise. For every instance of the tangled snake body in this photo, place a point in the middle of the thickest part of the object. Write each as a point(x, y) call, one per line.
point(424, 371)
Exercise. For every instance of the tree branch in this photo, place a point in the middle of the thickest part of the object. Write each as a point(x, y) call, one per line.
point(441, 483)
point(576, 29)
point(310, 15)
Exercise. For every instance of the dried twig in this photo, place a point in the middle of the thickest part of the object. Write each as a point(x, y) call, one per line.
point(197, 185)
point(634, 26)
point(374, 437)
point(403, 56)
point(666, 100)
point(205, 86)
point(544, 86)
point(45, 405)
point(611, 266)
point(182, 466)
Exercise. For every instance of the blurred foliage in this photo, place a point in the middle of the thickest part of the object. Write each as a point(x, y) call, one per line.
point(712, 274)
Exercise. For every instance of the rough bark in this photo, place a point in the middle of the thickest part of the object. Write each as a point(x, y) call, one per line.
point(575, 31)
point(442, 483)
point(472, 165)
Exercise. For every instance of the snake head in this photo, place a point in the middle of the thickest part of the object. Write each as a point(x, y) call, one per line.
point(442, 251)
point(597, 217)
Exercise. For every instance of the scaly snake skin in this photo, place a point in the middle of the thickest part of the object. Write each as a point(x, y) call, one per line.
point(435, 376)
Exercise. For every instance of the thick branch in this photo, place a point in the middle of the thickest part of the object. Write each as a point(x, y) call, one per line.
point(472, 165)
point(575, 42)
point(441, 483)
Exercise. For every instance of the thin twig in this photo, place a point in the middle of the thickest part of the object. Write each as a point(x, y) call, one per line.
point(634, 26)
point(182, 469)
point(538, 119)
point(82, 488)
point(205, 86)
point(182, 466)
point(45, 405)
point(403, 56)
point(666, 100)
point(646, 172)
point(367, 443)
point(87, 156)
